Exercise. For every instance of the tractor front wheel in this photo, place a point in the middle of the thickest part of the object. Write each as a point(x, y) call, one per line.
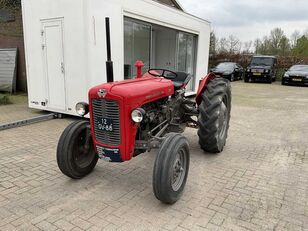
point(214, 116)
point(76, 156)
point(171, 168)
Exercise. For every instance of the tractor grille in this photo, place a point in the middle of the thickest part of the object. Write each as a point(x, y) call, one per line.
point(106, 109)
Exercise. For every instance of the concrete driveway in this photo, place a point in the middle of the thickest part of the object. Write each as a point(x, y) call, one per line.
point(260, 181)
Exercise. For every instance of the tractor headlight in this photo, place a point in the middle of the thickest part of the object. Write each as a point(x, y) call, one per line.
point(138, 115)
point(82, 109)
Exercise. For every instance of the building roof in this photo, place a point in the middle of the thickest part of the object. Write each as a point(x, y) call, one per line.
point(172, 3)
point(178, 5)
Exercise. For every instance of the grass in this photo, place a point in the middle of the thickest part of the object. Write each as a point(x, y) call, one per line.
point(19, 98)
point(4, 99)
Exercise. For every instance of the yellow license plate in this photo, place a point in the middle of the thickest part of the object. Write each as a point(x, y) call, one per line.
point(297, 79)
point(257, 74)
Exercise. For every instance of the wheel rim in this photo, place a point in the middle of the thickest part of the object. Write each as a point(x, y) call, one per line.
point(83, 153)
point(223, 119)
point(179, 170)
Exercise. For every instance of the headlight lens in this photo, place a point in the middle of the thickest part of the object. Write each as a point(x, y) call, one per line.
point(286, 75)
point(267, 71)
point(138, 115)
point(82, 108)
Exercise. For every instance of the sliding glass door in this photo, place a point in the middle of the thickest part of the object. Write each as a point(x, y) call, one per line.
point(186, 47)
point(169, 49)
point(137, 46)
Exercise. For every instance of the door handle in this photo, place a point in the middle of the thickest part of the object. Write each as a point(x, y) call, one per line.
point(62, 68)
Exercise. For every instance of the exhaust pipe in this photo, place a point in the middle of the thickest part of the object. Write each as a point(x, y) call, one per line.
point(109, 63)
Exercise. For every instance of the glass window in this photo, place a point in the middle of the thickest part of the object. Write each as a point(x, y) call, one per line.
point(137, 46)
point(186, 56)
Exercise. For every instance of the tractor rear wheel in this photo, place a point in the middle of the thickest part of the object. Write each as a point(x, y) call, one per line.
point(171, 168)
point(76, 156)
point(214, 116)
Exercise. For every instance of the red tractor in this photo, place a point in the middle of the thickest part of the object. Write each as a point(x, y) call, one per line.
point(131, 117)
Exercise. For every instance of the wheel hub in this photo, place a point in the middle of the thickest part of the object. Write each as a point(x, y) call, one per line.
point(179, 170)
point(83, 150)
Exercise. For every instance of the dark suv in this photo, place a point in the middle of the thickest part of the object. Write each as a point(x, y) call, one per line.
point(262, 68)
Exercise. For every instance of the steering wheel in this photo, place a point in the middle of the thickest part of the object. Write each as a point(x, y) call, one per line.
point(167, 74)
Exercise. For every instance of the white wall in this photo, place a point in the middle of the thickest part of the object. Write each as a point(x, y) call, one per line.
point(74, 13)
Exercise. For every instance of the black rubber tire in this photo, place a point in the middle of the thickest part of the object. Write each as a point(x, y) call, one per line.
point(242, 76)
point(246, 80)
point(270, 80)
point(164, 168)
point(66, 151)
point(216, 102)
point(232, 78)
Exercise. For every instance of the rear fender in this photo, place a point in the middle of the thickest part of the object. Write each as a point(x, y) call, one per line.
point(203, 84)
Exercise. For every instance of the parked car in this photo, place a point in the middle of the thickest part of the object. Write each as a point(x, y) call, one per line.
point(296, 75)
point(262, 68)
point(229, 70)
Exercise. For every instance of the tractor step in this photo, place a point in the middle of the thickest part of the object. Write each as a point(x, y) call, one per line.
point(25, 122)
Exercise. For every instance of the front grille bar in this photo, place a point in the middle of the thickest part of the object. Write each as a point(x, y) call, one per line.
point(107, 109)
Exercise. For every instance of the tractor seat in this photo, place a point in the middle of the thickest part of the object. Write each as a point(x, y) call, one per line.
point(181, 80)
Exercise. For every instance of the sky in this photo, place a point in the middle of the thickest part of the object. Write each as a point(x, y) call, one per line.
point(250, 19)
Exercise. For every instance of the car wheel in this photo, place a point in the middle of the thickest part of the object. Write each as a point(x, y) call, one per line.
point(232, 78)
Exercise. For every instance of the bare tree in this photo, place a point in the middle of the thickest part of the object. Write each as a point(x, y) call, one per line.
point(275, 37)
point(284, 46)
point(294, 38)
point(213, 43)
point(223, 45)
point(247, 47)
point(234, 44)
point(258, 44)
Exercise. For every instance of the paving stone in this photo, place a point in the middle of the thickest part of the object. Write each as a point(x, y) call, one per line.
point(259, 182)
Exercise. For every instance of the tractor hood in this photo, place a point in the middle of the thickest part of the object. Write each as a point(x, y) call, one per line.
point(136, 91)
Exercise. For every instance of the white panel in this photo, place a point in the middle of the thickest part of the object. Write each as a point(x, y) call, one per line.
point(54, 63)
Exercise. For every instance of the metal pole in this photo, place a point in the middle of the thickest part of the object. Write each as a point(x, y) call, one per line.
point(109, 63)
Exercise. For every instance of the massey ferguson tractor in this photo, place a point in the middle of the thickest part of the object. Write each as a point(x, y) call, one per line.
point(132, 117)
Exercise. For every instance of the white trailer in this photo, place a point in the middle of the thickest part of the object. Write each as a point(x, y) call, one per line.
point(65, 45)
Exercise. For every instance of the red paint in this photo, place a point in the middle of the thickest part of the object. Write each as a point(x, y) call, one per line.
point(204, 82)
point(139, 65)
point(130, 94)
